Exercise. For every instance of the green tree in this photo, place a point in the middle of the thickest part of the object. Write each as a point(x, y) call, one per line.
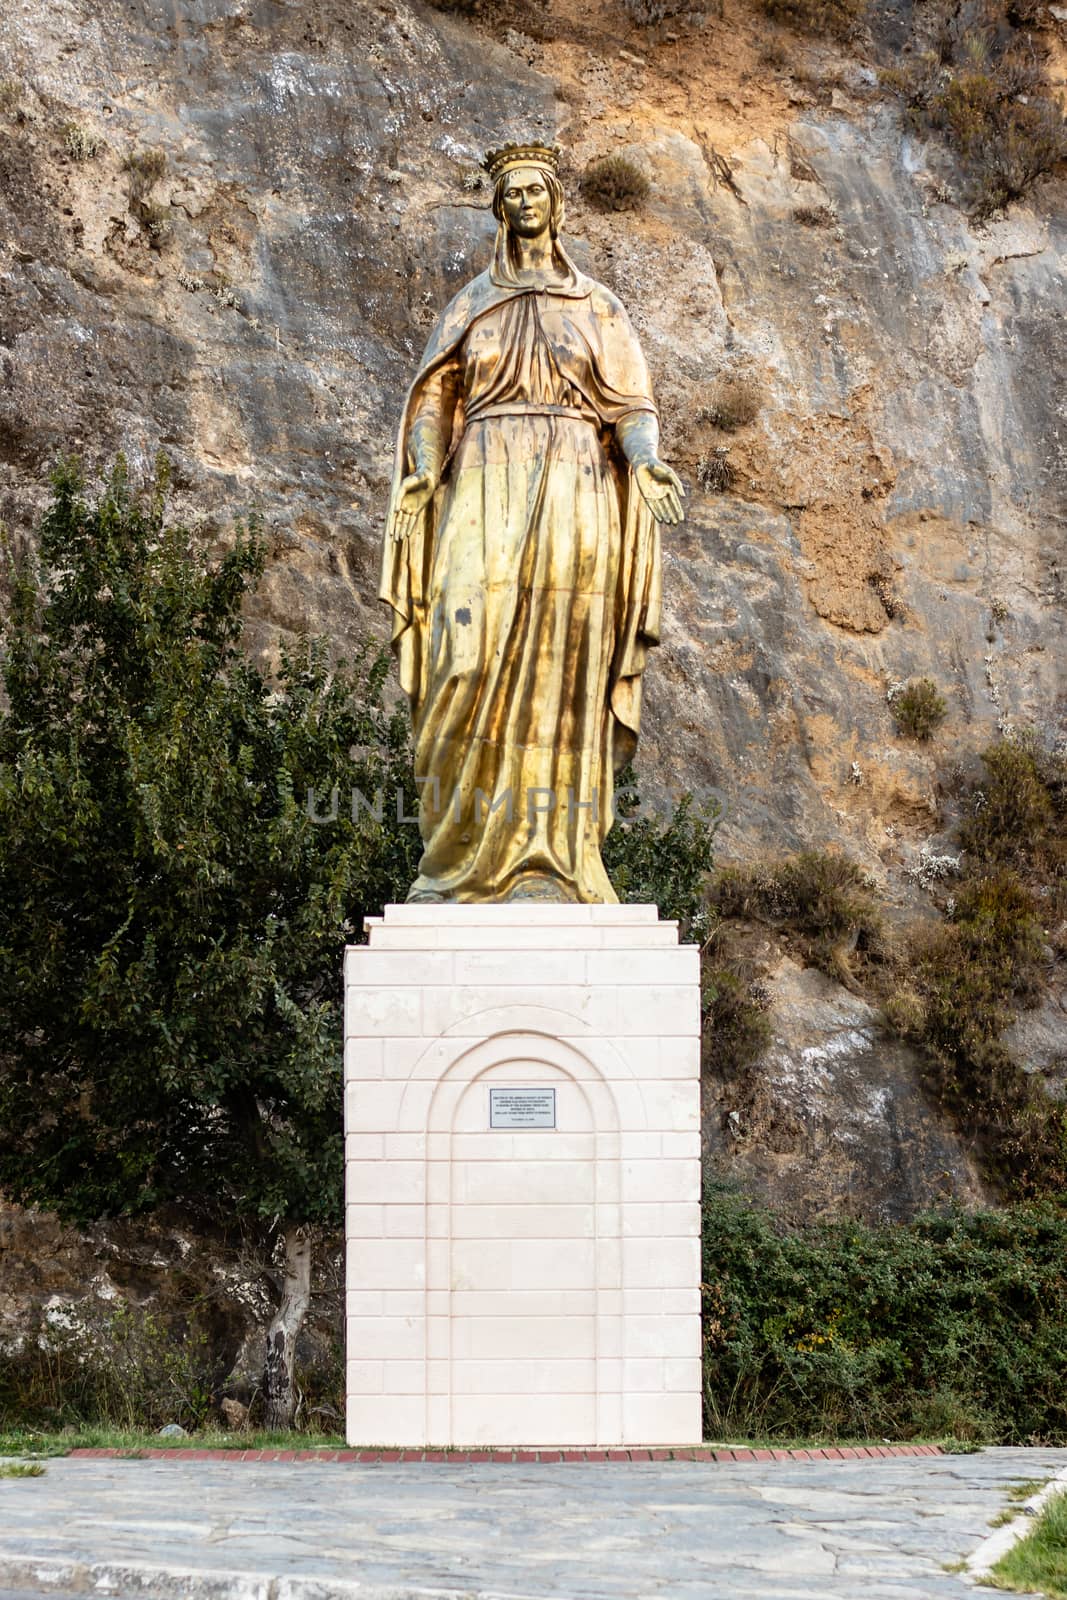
point(172, 914)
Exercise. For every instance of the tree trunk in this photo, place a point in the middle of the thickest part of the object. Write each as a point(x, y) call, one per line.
point(279, 1389)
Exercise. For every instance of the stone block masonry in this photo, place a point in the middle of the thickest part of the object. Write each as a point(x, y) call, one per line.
point(522, 1121)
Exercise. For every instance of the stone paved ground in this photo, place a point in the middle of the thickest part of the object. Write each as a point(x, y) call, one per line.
point(666, 1531)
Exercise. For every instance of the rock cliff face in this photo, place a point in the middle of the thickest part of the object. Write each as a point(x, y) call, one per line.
point(252, 293)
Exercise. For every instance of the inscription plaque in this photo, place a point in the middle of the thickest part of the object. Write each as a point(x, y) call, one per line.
point(522, 1108)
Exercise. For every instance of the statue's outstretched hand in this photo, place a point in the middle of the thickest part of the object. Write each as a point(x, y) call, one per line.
point(416, 492)
point(662, 491)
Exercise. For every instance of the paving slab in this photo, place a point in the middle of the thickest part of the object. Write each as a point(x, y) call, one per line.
point(792, 1530)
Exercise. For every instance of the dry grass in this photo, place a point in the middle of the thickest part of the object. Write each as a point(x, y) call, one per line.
point(650, 13)
point(715, 475)
point(735, 401)
point(837, 19)
point(145, 168)
point(822, 216)
point(824, 902)
point(81, 144)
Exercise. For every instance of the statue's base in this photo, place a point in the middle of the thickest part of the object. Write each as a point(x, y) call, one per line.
point(522, 1111)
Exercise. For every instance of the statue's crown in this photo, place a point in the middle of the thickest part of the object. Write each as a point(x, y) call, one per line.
point(500, 161)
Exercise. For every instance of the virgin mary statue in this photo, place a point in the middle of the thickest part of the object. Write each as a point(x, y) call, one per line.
point(522, 560)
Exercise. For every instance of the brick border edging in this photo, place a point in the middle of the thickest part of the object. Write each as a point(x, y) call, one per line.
point(374, 1458)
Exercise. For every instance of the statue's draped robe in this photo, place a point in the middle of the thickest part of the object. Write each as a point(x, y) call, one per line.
point(525, 601)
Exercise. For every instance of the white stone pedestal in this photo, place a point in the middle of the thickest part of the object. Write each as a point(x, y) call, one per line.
point(522, 1111)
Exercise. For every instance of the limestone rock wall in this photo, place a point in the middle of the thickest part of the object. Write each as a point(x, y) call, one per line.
point(257, 307)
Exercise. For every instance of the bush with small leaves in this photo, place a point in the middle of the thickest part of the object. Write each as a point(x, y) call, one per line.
point(10, 96)
point(529, 15)
point(734, 402)
point(1027, 145)
point(919, 710)
point(614, 183)
point(952, 1324)
point(960, 985)
point(1017, 812)
point(162, 862)
point(979, 77)
point(736, 1026)
point(824, 901)
point(111, 1362)
point(155, 220)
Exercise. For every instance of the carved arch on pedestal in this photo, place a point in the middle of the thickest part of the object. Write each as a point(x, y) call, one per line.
point(461, 1065)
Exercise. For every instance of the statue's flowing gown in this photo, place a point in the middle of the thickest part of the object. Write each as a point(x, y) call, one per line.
point(525, 605)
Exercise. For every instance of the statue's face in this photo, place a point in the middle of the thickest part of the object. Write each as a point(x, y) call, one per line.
point(527, 203)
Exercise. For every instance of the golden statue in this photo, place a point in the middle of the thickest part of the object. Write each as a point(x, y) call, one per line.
point(522, 560)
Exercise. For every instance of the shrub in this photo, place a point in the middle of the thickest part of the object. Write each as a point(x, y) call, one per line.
point(1017, 814)
point(498, 14)
point(735, 1025)
point(650, 13)
point(959, 986)
point(1025, 145)
point(109, 1362)
point(145, 169)
point(735, 402)
point(81, 144)
point(824, 901)
point(950, 1324)
point(838, 18)
point(10, 96)
point(965, 108)
point(824, 216)
point(715, 475)
point(963, 985)
point(155, 220)
point(919, 710)
point(614, 183)
point(982, 82)
point(773, 55)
